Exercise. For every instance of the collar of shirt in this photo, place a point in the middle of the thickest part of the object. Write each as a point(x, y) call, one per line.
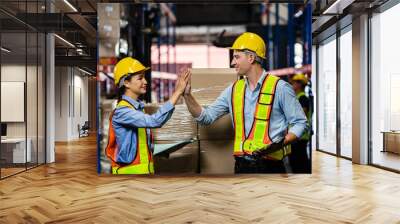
point(137, 104)
point(260, 81)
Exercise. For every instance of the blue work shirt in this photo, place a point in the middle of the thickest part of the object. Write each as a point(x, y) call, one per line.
point(126, 122)
point(286, 110)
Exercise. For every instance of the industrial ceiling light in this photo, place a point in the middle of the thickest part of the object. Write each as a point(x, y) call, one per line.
point(64, 40)
point(70, 5)
point(5, 50)
point(84, 71)
point(79, 44)
point(79, 51)
point(331, 7)
point(337, 7)
point(298, 14)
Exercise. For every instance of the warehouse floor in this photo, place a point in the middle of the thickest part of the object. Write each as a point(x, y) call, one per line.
point(71, 191)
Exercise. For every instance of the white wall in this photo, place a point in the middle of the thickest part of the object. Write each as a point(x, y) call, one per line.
point(71, 93)
point(34, 123)
point(61, 103)
point(13, 73)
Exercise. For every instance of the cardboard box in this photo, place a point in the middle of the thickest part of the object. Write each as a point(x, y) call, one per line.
point(108, 10)
point(208, 84)
point(180, 127)
point(108, 29)
point(107, 48)
point(216, 157)
point(222, 129)
point(183, 161)
point(212, 77)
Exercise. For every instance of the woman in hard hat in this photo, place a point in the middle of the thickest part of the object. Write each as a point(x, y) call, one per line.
point(130, 140)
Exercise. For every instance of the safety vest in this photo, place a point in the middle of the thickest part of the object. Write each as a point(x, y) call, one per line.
point(258, 138)
point(143, 160)
point(306, 134)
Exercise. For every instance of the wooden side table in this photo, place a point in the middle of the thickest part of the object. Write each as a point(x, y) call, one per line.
point(391, 141)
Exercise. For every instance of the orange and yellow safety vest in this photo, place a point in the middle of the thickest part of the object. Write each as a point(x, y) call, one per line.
point(143, 161)
point(258, 138)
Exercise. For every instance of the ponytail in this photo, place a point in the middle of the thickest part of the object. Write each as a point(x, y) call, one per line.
point(120, 93)
point(122, 89)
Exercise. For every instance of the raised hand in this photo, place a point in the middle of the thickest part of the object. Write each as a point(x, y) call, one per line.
point(182, 81)
point(188, 88)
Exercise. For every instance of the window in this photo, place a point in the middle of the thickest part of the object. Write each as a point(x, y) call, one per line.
point(346, 93)
point(327, 96)
point(385, 88)
point(22, 69)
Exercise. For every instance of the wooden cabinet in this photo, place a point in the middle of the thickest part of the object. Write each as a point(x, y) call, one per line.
point(391, 142)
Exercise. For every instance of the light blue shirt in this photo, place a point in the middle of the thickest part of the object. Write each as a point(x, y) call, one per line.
point(286, 110)
point(126, 122)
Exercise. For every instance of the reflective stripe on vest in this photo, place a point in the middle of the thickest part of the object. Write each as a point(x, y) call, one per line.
point(258, 138)
point(143, 162)
point(306, 135)
point(134, 169)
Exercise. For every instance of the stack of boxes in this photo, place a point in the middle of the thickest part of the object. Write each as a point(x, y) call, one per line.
point(108, 28)
point(212, 152)
point(215, 140)
point(180, 127)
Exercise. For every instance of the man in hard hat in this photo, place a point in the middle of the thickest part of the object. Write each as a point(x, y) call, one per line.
point(265, 113)
point(300, 159)
point(130, 143)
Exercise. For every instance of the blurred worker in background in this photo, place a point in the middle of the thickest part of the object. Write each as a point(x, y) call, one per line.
point(265, 113)
point(300, 158)
point(130, 146)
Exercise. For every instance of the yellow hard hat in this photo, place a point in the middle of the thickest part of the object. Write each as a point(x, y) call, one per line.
point(300, 77)
point(250, 41)
point(126, 66)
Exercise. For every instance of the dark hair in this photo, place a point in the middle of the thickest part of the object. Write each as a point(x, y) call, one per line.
point(122, 89)
point(301, 83)
point(257, 59)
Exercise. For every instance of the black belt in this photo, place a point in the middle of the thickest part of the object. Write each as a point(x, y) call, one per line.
point(260, 155)
point(250, 158)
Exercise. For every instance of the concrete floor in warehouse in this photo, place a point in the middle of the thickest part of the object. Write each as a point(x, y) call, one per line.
point(71, 191)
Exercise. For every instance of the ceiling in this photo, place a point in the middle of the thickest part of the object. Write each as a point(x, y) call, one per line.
point(338, 14)
point(73, 20)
